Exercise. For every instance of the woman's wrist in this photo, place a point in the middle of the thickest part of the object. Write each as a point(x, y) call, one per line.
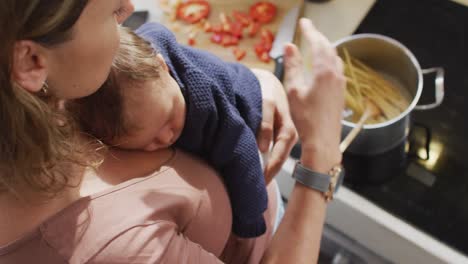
point(319, 157)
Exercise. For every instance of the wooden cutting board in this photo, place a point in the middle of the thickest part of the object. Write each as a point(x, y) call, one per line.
point(182, 29)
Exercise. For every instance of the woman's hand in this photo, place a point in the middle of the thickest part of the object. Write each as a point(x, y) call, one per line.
point(277, 125)
point(316, 104)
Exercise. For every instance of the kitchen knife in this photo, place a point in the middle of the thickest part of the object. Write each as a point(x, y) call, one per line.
point(285, 34)
point(137, 19)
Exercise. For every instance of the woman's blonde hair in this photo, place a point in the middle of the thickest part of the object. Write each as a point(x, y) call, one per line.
point(38, 144)
point(102, 114)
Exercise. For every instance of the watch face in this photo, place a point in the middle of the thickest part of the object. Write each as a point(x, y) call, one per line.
point(337, 174)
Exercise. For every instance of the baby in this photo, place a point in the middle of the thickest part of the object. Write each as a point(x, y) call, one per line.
point(161, 93)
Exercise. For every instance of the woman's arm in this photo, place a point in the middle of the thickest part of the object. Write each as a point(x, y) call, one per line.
point(316, 109)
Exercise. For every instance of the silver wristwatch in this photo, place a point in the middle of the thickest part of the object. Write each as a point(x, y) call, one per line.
point(328, 184)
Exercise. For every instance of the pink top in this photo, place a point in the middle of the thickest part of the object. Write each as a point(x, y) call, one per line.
point(179, 214)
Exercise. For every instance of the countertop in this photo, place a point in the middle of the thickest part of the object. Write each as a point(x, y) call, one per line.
point(336, 19)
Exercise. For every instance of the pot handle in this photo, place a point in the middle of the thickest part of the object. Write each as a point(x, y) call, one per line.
point(439, 88)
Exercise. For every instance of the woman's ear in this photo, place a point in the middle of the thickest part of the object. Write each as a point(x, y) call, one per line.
point(162, 61)
point(29, 65)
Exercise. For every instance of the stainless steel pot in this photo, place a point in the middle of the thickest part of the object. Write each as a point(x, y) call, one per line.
point(396, 62)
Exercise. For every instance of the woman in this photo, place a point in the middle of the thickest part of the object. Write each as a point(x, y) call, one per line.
point(53, 50)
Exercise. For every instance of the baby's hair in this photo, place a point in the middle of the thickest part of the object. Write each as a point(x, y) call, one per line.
point(102, 113)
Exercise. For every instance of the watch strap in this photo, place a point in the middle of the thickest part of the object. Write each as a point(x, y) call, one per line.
point(315, 180)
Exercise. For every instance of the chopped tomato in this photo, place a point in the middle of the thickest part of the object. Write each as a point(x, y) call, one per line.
point(236, 29)
point(263, 12)
point(264, 57)
point(259, 49)
point(216, 38)
point(263, 47)
point(266, 45)
point(241, 17)
point(239, 54)
point(253, 29)
point(224, 39)
point(191, 41)
point(229, 40)
point(193, 11)
point(267, 36)
point(225, 22)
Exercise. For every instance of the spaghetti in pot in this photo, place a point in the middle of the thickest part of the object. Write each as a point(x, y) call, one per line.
point(363, 83)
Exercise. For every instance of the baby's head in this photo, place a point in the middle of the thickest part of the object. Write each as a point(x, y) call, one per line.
point(140, 106)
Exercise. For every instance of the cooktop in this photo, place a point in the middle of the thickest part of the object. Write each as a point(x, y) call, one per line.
point(424, 181)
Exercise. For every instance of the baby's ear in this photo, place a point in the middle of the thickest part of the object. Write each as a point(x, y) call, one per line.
point(162, 61)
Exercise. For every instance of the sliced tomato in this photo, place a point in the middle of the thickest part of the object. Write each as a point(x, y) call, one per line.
point(193, 11)
point(241, 17)
point(253, 29)
point(239, 54)
point(263, 12)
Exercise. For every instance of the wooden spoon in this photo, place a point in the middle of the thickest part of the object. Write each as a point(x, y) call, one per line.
point(372, 110)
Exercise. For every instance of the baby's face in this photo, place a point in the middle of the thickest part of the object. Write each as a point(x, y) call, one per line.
point(154, 114)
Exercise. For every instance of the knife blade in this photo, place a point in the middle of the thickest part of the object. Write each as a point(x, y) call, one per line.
point(285, 34)
point(137, 19)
